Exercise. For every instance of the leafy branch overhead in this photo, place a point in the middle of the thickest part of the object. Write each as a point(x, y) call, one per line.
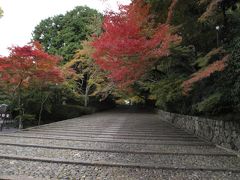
point(124, 47)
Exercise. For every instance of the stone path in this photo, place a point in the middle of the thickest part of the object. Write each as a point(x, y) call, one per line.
point(113, 145)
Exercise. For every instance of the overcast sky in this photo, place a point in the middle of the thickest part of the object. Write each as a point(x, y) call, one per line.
point(21, 16)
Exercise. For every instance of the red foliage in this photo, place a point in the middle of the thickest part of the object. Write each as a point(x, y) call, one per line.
point(170, 11)
point(216, 66)
point(29, 64)
point(126, 49)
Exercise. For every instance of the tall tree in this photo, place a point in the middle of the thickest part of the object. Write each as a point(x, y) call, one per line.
point(62, 34)
point(92, 80)
point(131, 44)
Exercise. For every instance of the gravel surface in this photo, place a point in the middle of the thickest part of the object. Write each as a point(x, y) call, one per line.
point(116, 146)
point(188, 161)
point(116, 136)
point(64, 171)
point(109, 140)
point(136, 132)
point(129, 134)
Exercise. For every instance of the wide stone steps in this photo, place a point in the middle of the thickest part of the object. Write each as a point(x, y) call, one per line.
point(110, 130)
point(113, 146)
point(117, 136)
point(121, 129)
point(116, 147)
point(129, 135)
point(59, 170)
point(105, 130)
point(158, 161)
point(110, 140)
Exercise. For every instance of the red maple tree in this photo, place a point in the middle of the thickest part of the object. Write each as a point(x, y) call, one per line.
point(27, 66)
point(130, 44)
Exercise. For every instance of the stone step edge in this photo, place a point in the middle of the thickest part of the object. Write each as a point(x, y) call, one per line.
point(117, 151)
point(112, 133)
point(109, 128)
point(121, 165)
point(102, 141)
point(112, 130)
point(188, 139)
point(12, 177)
point(104, 131)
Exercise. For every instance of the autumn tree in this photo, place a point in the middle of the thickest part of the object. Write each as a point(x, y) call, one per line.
point(27, 66)
point(204, 69)
point(48, 74)
point(91, 79)
point(131, 43)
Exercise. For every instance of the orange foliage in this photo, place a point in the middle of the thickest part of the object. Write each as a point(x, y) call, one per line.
point(29, 65)
point(138, 11)
point(214, 67)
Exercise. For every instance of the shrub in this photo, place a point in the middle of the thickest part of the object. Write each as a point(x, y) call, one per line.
point(62, 112)
point(209, 105)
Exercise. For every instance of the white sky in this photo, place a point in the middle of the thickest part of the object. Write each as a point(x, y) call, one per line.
point(21, 16)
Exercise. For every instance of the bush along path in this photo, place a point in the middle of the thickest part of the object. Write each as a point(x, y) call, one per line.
point(113, 145)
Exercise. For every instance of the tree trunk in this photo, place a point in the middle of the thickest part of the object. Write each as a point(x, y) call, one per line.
point(41, 108)
point(20, 125)
point(86, 97)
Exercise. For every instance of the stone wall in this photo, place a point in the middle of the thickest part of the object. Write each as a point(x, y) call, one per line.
point(223, 133)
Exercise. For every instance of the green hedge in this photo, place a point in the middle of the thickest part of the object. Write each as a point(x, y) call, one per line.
point(58, 113)
point(62, 112)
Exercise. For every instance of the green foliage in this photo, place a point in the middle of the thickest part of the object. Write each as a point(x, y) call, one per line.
point(209, 104)
point(34, 98)
point(213, 55)
point(67, 92)
point(232, 75)
point(4, 98)
point(195, 22)
point(197, 51)
point(185, 18)
point(97, 104)
point(217, 9)
point(62, 112)
point(167, 91)
point(91, 79)
point(1, 12)
point(62, 35)
point(27, 120)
